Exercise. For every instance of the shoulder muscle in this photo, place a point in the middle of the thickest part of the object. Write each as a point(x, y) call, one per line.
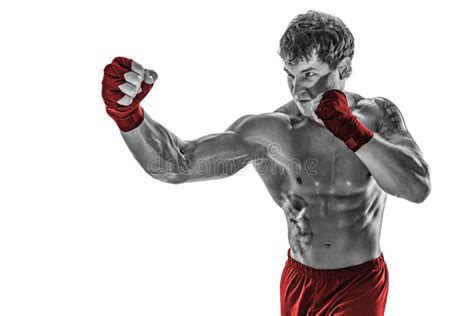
point(258, 127)
point(391, 124)
point(391, 119)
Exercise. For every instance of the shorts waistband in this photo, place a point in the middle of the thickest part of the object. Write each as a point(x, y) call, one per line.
point(335, 273)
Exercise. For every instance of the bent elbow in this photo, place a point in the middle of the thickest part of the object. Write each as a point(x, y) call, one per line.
point(422, 192)
point(167, 177)
point(171, 178)
point(175, 179)
point(168, 173)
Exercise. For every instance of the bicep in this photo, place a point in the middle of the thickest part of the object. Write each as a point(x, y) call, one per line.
point(219, 155)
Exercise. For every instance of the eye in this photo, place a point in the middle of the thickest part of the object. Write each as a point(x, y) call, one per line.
point(310, 74)
point(290, 75)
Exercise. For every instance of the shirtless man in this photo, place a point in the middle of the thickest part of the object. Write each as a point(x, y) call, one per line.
point(328, 158)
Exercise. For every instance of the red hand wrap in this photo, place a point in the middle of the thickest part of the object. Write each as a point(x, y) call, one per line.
point(339, 120)
point(126, 117)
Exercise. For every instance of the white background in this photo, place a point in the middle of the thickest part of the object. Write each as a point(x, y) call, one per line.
point(84, 231)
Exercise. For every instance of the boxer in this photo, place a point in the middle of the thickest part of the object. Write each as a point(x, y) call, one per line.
point(328, 157)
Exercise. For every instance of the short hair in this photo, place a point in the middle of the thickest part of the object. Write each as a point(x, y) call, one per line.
point(317, 32)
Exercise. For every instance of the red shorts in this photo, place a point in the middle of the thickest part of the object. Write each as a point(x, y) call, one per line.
point(357, 290)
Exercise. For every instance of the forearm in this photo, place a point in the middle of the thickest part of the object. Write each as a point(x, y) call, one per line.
point(157, 150)
point(397, 170)
point(161, 154)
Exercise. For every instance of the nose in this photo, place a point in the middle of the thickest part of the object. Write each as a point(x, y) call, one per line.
point(299, 90)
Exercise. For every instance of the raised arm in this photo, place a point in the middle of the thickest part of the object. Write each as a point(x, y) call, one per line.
point(169, 159)
point(161, 154)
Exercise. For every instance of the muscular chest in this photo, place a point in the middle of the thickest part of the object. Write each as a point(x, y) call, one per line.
point(315, 162)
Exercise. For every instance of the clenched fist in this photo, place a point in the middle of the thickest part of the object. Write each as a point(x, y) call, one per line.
point(124, 86)
point(334, 111)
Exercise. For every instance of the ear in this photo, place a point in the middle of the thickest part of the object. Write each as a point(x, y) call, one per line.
point(345, 68)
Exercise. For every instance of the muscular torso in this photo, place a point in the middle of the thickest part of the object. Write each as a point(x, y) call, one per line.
point(332, 204)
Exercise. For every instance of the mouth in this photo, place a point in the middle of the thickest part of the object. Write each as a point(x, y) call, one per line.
point(302, 100)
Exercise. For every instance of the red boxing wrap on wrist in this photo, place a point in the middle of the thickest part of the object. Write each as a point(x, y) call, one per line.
point(126, 117)
point(339, 120)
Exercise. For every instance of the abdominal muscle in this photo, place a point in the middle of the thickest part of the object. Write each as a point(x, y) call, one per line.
point(330, 231)
point(333, 207)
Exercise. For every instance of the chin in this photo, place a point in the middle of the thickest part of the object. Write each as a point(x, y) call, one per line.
point(300, 108)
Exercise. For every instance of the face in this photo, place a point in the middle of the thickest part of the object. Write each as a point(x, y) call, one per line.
point(308, 79)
